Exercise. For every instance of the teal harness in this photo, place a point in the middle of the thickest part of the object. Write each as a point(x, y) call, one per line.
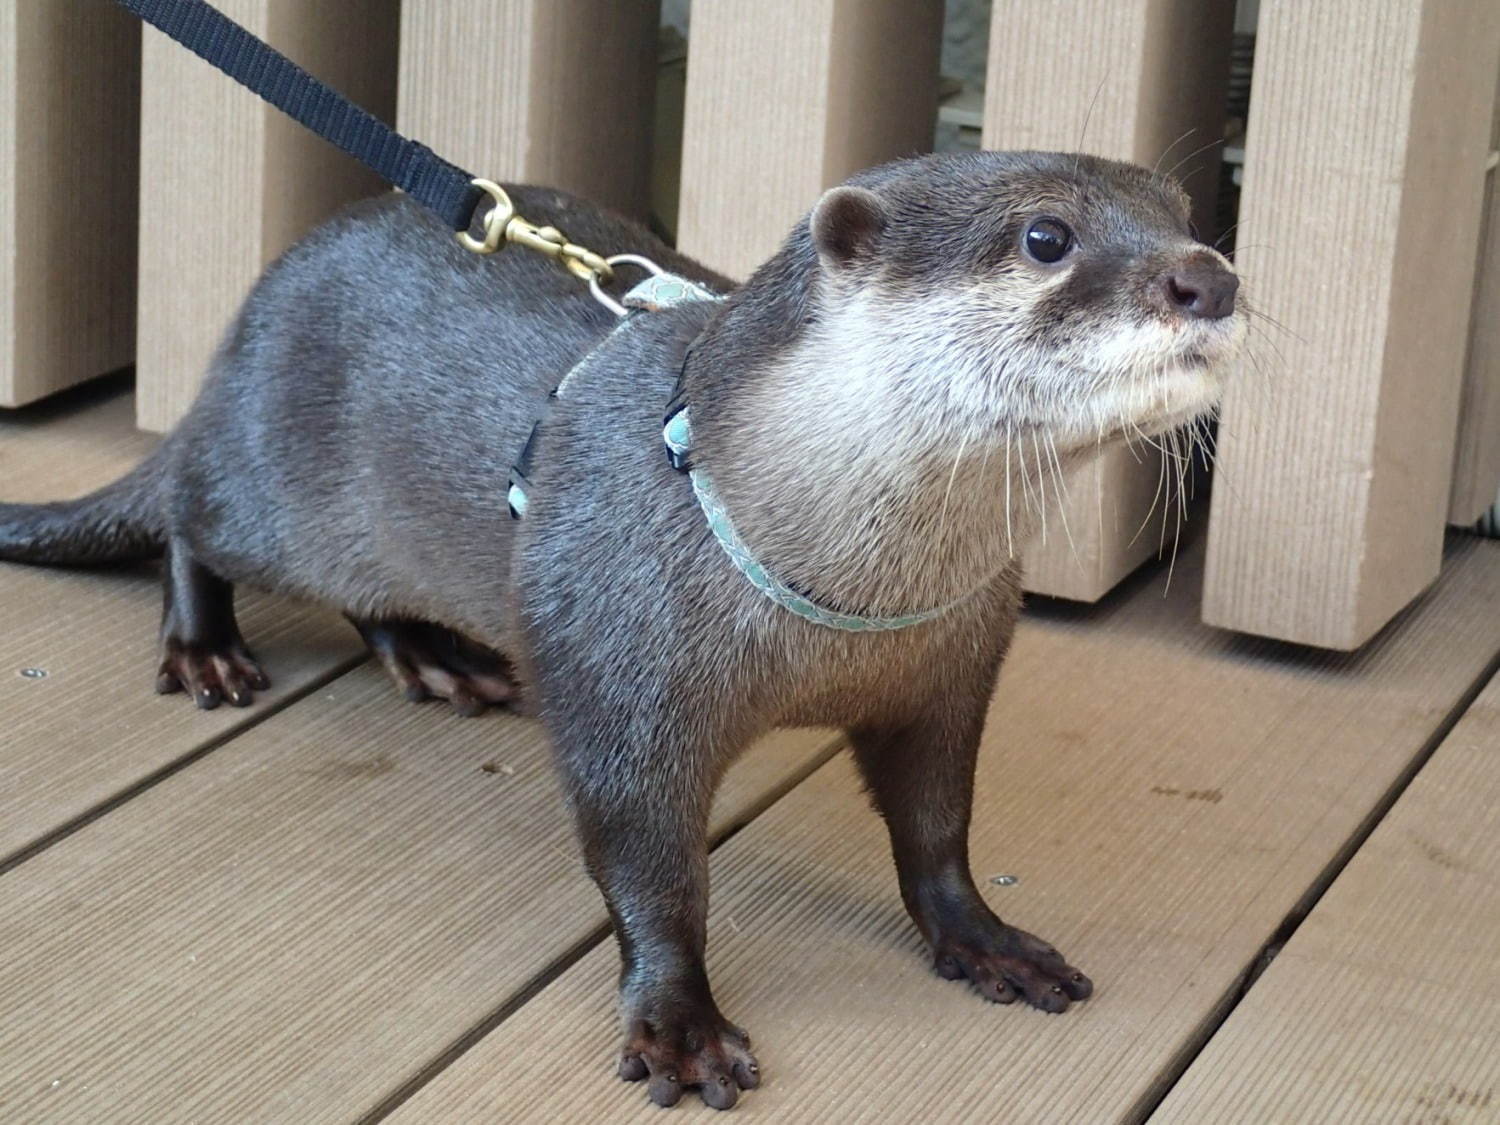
point(664, 290)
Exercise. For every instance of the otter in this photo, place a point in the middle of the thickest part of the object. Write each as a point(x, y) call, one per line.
point(878, 409)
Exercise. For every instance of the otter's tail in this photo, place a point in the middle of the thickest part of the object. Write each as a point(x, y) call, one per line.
point(121, 522)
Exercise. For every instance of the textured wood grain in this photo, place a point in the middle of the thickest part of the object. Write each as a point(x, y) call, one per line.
point(788, 97)
point(69, 134)
point(1165, 793)
point(1367, 138)
point(93, 726)
point(1385, 1004)
point(227, 182)
point(289, 928)
point(1476, 465)
point(555, 92)
point(1140, 80)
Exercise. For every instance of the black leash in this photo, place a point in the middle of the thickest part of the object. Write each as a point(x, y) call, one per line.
point(447, 190)
point(450, 192)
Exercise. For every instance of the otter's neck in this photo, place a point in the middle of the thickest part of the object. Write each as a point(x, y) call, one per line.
point(850, 476)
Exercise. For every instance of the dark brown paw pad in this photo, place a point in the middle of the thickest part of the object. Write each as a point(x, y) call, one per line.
point(210, 675)
point(429, 662)
point(1012, 964)
point(715, 1060)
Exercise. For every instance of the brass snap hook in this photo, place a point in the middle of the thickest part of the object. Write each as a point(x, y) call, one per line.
point(496, 221)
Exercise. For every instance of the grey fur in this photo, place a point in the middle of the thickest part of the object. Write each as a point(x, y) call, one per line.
point(352, 444)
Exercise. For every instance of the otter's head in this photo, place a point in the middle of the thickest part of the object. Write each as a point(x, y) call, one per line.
point(1029, 291)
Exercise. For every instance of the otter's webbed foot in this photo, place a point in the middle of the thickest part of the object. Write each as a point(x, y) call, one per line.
point(428, 661)
point(702, 1051)
point(1003, 963)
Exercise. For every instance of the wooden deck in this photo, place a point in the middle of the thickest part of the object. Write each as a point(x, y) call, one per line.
point(1278, 866)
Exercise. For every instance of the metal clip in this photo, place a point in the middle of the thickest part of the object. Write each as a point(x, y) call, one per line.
point(495, 220)
point(604, 298)
point(502, 224)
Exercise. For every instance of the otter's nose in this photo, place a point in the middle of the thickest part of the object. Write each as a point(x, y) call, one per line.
point(1202, 289)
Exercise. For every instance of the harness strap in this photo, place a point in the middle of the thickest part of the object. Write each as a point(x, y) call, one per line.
point(441, 187)
point(657, 291)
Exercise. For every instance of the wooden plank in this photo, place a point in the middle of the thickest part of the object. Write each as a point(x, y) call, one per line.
point(227, 182)
point(1385, 1004)
point(1476, 465)
point(788, 97)
point(70, 73)
point(93, 726)
point(1164, 792)
point(555, 92)
point(1366, 144)
point(1143, 81)
point(288, 929)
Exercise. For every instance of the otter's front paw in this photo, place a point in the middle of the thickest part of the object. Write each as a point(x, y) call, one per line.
point(676, 1054)
point(1007, 963)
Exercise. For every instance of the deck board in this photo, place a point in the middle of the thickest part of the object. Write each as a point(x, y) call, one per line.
point(290, 927)
point(94, 727)
point(1166, 793)
point(1385, 1003)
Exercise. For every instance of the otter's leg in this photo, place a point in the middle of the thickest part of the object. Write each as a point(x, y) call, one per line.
point(428, 660)
point(921, 778)
point(202, 651)
point(642, 815)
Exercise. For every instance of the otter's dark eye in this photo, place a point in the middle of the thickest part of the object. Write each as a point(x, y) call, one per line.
point(1047, 240)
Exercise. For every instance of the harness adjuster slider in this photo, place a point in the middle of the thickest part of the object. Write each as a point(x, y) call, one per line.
point(677, 435)
point(519, 486)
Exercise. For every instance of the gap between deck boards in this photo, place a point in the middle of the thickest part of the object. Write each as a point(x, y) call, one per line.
point(150, 780)
point(1147, 1105)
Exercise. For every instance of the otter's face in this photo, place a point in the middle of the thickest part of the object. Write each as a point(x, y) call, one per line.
point(1055, 293)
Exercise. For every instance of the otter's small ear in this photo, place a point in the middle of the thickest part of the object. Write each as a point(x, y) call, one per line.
point(846, 226)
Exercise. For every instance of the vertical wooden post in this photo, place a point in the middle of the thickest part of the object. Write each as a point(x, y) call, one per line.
point(227, 182)
point(788, 97)
point(556, 92)
point(69, 129)
point(1359, 223)
point(1136, 80)
point(1476, 467)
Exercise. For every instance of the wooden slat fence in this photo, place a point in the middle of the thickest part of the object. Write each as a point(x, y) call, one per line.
point(1369, 416)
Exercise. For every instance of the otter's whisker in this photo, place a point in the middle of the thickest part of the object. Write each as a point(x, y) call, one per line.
point(1088, 113)
point(1025, 477)
point(1161, 465)
point(1196, 152)
point(1060, 489)
point(1182, 515)
point(1099, 486)
point(952, 476)
point(1010, 541)
point(1269, 319)
point(1040, 486)
point(1156, 168)
point(1230, 229)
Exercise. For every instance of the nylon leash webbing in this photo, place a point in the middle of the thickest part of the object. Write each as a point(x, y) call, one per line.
point(411, 166)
